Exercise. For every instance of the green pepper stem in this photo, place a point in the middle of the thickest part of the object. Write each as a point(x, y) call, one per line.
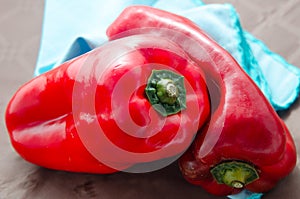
point(166, 92)
point(234, 174)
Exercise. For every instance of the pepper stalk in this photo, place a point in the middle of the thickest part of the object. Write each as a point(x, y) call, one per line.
point(234, 174)
point(166, 92)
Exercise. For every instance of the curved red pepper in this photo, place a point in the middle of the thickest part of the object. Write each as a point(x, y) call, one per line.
point(46, 128)
point(245, 143)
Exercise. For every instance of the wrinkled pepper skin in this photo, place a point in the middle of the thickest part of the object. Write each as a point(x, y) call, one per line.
point(42, 123)
point(243, 130)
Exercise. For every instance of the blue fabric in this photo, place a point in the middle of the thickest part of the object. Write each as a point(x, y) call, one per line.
point(66, 21)
point(72, 28)
point(246, 195)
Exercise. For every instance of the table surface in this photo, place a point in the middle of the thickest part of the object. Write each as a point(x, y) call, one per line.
point(276, 22)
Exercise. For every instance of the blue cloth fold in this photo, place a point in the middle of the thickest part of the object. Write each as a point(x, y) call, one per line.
point(72, 28)
point(283, 78)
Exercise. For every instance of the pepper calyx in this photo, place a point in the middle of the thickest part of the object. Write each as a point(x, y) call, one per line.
point(234, 174)
point(166, 92)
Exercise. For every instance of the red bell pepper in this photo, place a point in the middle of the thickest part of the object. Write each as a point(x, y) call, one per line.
point(245, 144)
point(57, 119)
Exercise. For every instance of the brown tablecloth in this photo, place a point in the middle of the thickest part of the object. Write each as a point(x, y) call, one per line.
point(276, 22)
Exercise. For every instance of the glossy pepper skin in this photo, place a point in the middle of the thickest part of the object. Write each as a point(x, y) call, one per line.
point(244, 144)
point(44, 126)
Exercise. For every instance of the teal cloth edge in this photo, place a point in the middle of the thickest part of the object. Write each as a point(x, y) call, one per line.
point(268, 51)
point(285, 64)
